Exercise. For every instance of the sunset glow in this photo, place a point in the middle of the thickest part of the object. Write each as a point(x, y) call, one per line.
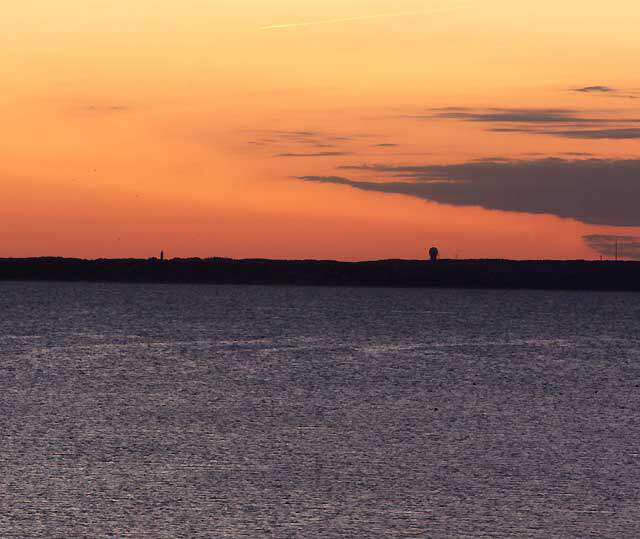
point(351, 131)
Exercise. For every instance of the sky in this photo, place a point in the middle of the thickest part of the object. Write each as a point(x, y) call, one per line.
point(320, 129)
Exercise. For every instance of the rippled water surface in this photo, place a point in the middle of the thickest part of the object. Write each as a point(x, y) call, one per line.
point(133, 411)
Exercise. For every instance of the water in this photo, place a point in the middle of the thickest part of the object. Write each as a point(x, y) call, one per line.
point(166, 412)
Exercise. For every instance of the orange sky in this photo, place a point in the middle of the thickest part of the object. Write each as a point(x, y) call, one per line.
point(185, 126)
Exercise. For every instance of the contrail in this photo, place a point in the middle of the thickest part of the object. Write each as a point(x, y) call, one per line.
point(360, 18)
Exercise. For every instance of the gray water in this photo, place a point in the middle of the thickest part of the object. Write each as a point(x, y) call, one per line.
point(165, 412)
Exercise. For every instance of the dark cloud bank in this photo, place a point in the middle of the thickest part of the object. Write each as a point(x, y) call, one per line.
point(594, 191)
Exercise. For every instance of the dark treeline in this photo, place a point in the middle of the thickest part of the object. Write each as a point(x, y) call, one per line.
point(404, 273)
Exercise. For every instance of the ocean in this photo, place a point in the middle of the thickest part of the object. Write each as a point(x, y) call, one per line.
point(227, 412)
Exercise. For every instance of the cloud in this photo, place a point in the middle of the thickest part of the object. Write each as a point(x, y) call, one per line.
point(566, 123)
point(597, 89)
point(601, 90)
point(319, 154)
point(303, 137)
point(609, 245)
point(359, 18)
point(312, 143)
point(492, 159)
point(511, 130)
point(298, 133)
point(518, 116)
point(330, 179)
point(613, 133)
point(523, 116)
point(594, 191)
point(306, 137)
point(103, 109)
point(616, 134)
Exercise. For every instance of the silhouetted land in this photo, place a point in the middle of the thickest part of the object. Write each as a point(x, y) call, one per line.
point(569, 275)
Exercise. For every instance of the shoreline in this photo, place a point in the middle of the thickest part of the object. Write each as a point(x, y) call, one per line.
point(473, 273)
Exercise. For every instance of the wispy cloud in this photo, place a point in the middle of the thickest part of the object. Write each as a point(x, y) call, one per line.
point(511, 116)
point(361, 18)
point(319, 154)
point(594, 89)
point(606, 90)
point(314, 143)
point(566, 123)
point(614, 134)
point(595, 191)
point(511, 130)
point(102, 109)
point(522, 116)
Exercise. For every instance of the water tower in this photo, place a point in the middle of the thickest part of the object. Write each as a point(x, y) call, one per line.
point(433, 254)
